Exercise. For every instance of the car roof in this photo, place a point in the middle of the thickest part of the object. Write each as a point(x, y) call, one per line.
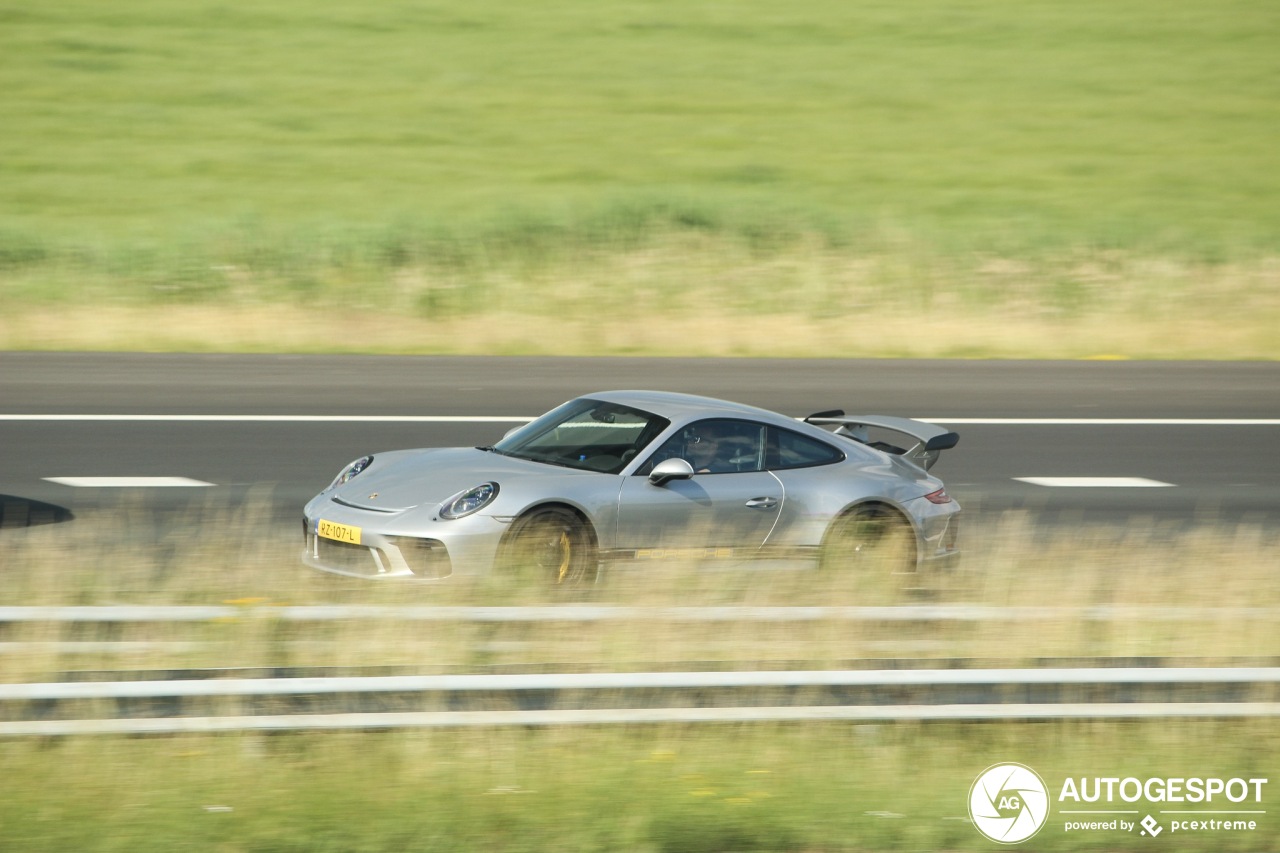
point(676, 407)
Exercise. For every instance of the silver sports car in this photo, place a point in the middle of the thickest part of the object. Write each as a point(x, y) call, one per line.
point(641, 475)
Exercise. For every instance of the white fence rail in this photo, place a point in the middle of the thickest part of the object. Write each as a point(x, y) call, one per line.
point(740, 697)
point(173, 706)
point(793, 679)
point(641, 716)
point(612, 613)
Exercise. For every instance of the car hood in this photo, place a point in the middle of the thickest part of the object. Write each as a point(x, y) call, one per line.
point(404, 479)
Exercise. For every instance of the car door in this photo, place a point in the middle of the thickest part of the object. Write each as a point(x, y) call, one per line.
point(726, 509)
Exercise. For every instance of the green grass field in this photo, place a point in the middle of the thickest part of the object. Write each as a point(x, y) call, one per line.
point(1034, 179)
point(818, 788)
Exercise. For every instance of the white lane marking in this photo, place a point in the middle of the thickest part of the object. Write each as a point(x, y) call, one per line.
point(1094, 482)
point(481, 419)
point(128, 482)
point(357, 419)
point(1107, 421)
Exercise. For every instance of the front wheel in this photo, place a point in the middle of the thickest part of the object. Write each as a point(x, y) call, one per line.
point(554, 545)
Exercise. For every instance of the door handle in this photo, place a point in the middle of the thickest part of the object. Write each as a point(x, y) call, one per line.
point(762, 503)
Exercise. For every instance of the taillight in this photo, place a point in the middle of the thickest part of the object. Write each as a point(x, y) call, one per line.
point(938, 497)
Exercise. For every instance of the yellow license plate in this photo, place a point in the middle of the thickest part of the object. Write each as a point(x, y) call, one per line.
point(338, 532)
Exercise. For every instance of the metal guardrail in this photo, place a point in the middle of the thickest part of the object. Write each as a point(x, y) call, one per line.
point(210, 702)
point(593, 681)
point(626, 716)
point(882, 617)
point(611, 613)
point(385, 702)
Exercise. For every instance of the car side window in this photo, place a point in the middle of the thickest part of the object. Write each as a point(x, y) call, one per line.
point(715, 446)
point(789, 449)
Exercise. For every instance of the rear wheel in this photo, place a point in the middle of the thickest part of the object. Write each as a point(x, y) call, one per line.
point(875, 539)
point(554, 545)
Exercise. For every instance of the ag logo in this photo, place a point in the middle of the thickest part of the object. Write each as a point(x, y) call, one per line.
point(1009, 803)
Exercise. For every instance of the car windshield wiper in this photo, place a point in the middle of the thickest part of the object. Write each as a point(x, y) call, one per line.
point(489, 448)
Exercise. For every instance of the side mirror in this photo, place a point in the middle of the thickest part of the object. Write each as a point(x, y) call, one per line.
point(670, 469)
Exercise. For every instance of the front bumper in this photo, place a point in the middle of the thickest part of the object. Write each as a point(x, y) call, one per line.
point(382, 557)
point(390, 549)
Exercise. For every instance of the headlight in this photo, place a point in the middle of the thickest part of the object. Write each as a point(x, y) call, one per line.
point(351, 470)
point(473, 499)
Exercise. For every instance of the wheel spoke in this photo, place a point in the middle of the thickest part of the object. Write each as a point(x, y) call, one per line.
point(556, 544)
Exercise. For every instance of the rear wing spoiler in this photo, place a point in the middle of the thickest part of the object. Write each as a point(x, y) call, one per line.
point(931, 439)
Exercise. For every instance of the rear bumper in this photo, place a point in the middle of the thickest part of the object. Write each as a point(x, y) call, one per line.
point(940, 538)
point(941, 560)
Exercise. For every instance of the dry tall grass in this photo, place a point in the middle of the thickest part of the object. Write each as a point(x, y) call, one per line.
point(1203, 592)
point(685, 296)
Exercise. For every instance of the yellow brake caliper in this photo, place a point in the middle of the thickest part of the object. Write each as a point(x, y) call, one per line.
point(566, 550)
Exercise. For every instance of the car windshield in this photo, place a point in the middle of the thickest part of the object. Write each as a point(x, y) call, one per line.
point(588, 434)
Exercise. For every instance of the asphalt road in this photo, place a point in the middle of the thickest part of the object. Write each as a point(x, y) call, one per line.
point(281, 426)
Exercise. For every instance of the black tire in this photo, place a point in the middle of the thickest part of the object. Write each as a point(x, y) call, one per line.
point(552, 544)
point(872, 538)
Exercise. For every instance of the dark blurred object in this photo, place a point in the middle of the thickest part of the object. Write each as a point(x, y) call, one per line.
point(24, 512)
